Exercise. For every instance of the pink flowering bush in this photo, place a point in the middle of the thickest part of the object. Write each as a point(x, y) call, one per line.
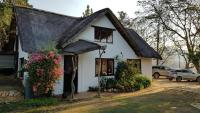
point(44, 69)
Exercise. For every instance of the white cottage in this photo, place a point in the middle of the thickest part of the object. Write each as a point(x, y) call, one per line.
point(84, 37)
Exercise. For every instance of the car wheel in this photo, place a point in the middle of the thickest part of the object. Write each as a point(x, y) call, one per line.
point(178, 79)
point(156, 75)
point(198, 79)
point(170, 79)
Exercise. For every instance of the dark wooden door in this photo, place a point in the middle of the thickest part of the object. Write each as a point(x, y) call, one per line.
point(68, 71)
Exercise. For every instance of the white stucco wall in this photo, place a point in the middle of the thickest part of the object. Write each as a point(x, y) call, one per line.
point(22, 54)
point(86, 68)
point(146, 67)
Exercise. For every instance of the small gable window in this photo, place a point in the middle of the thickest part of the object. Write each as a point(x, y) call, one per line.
point(103, 34)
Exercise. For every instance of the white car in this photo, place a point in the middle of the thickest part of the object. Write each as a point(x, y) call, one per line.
point(184, 74)
point(158, 71)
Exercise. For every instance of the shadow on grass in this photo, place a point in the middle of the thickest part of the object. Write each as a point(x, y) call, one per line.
point(27, 104)
point(168, 101)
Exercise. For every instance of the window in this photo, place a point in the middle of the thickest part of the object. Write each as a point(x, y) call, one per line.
point(103, 34)
point(107, 66)
point(178, 70)
point(136, 63)
point(22, 62)
point(186, 71)
point(155, 67)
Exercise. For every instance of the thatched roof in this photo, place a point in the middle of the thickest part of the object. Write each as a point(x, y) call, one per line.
point(37, 28)
point(81, 46)
point(145, 49)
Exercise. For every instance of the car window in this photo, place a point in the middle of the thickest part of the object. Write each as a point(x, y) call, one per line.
point(178, 70)
point(162, 68)
point(167, 68)
point(154, 67)
point(186, 71)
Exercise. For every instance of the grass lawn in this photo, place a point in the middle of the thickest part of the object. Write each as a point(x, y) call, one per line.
point(146, 101)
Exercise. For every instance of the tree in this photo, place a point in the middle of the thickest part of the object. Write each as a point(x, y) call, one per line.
point(6, 14)
point(88, 11)
point(125, 20)
point(154, 35)
point(182, 19)
point(147, 27)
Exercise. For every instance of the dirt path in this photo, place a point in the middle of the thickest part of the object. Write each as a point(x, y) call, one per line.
point(184, 85)
point(162, 97)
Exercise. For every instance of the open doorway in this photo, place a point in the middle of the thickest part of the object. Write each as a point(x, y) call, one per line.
point(68, 71)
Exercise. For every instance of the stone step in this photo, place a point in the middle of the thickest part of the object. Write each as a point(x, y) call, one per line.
point(10, 99)
point(11, 93)
point(10, 96)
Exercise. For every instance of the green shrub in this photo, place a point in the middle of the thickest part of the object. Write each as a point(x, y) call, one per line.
point(141, 82)
point(103, 82)
point(125, 76)
point(40, 102)
point(28, 104)
point(122, 67)
point(107, 83)
point(44, 70)
point(110, 83)
point(93, 88)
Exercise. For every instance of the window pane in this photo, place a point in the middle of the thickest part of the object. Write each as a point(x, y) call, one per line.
point(103, 34)
point(110, 39)
point(104, 66)
point(97, 63)
point(110, 67)
point(97, 34)
point(107, 66)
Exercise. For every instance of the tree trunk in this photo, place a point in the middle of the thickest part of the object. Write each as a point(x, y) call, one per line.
point(187, 65)
point(74, 64)
point(197, 66)
point(158, 40)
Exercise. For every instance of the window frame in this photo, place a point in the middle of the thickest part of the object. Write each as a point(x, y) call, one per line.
point(107, 59)
point(140, 63)
point(100, 40)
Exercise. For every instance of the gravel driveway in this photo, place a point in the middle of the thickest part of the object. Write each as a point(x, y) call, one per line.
point(184, 85)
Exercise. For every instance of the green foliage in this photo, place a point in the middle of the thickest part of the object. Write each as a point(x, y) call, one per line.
point(107, 83)
point(6, 15)
point(141, 82)
point(88, 11)
point(125, 20)
point(30, 103)
point(123, 68)
point(93, 88)
point(44, 69)
point(5, 20)
point(40, 102)
point(111, 83)
point(103, 82)
point(127, 79)
point(195, 58)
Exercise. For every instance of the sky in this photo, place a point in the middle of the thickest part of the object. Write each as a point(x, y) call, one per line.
point(77, 7)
